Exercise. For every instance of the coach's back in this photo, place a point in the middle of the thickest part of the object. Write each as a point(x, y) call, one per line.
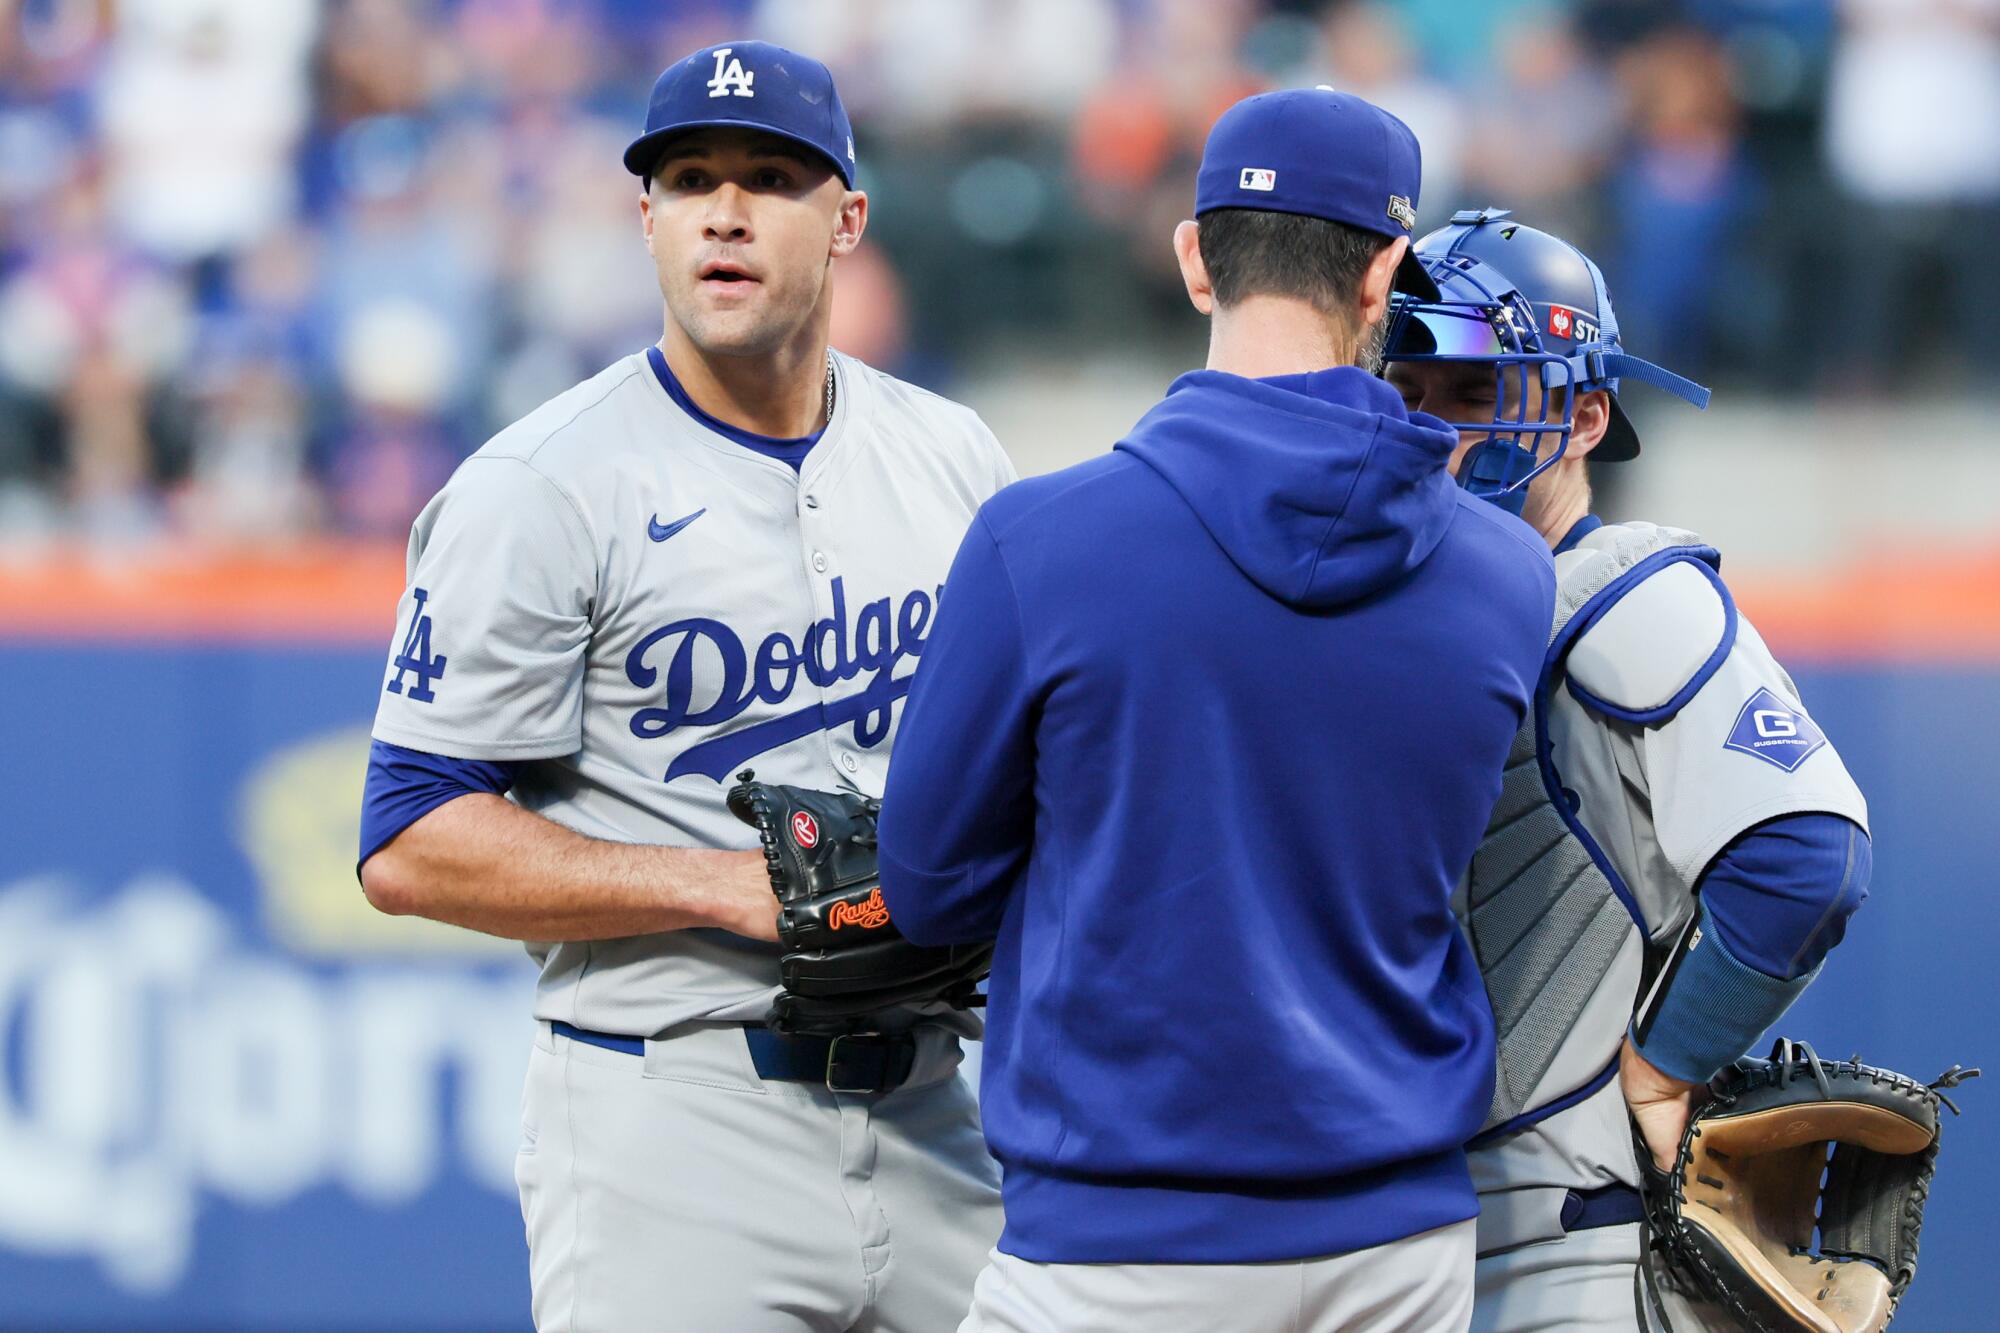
point(1260, 755)
point(1203, 735)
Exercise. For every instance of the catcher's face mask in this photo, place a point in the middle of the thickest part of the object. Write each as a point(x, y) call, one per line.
point(1527, 411)
point(1532, 309)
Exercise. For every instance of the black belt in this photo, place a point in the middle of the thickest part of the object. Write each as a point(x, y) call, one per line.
point(1607, 1206)
point(851, 1062)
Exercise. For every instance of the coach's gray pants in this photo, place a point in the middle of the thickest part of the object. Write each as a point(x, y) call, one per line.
point(680, 1191)
point(1423, 1282)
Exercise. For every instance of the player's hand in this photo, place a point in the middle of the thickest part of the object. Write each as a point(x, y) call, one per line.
point(1660, 1104)
point(745, 904)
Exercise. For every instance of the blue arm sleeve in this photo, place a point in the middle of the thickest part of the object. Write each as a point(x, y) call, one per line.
point(958, 815)
point(405, 785)
point(1772, 905)
point(1781, 894)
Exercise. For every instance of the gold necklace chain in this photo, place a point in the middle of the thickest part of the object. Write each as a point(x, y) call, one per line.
point(829, 387)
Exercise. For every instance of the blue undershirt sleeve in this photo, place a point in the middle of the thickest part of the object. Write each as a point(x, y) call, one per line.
point(405, 785)
point(1772, 905)
point(1781, 894)
point(958, 815)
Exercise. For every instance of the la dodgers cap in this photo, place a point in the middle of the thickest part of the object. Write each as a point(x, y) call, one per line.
point(753, 86)
point(1321, 154)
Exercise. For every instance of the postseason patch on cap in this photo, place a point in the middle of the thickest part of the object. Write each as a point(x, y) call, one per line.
point(1400, 211)
point(1258, 178)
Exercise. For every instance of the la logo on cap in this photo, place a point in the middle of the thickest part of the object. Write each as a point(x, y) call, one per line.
point(731, 79)
point(1258, 178)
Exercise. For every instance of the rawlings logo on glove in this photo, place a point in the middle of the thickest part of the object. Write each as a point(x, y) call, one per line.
point(844, 960)
point(871, 913)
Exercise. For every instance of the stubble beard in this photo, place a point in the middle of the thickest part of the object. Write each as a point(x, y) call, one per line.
point(1374, 341)
point(768, 326)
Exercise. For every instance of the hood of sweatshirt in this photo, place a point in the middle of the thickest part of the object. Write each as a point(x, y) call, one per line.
point(1322, 488)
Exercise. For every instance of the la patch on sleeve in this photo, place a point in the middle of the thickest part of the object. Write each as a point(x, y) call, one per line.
point(416, 657)
point(1770, 729)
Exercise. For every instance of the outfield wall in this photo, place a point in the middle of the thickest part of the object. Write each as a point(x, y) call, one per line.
point(232, 1096)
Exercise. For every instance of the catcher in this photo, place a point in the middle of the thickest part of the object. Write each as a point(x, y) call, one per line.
point(1677, 845)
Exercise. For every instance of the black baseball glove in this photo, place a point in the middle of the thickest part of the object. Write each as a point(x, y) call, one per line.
point(844, 960)
point(1732, 1225)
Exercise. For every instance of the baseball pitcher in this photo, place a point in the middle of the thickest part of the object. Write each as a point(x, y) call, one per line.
point(1677, 845)
point(721, 553)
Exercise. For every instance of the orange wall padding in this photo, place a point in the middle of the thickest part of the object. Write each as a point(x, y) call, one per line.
point(1915, 608)
point(332, 593)
point(1920, 608)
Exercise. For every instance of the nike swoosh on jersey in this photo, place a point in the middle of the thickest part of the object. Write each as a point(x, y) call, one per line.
point(659, 531)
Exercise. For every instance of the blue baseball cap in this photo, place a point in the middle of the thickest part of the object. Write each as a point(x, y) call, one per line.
point(752, 86)
point(1320, 154)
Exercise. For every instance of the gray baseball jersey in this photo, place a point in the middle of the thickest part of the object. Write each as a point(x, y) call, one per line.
point(1664, 728)
point(643, 607)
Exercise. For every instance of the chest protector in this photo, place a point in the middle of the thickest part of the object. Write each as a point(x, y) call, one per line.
point(1548, 918)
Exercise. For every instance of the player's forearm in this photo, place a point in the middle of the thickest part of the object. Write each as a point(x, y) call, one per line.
point(488, 865)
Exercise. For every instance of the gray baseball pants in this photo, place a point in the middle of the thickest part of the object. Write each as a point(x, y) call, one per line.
point(1586, 1281)
point(1422, 1282)
point(681, 1191)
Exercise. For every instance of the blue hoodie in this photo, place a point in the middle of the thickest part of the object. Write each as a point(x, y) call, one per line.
point(1204, 733)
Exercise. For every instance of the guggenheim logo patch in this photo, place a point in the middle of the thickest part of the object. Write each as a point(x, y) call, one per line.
point(1770, 729)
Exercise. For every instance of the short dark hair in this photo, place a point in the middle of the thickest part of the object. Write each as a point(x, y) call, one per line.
point(1255, 252)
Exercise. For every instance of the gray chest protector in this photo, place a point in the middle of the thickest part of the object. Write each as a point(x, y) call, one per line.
point(1547, 918)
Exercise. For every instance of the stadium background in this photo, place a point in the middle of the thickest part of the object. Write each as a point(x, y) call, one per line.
point(269, 268)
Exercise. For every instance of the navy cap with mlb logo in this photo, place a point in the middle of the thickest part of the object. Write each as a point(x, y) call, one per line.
point(1321, 154)
point(748, 85)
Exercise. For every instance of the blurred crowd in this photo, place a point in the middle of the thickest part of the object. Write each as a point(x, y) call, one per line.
point(269, 268)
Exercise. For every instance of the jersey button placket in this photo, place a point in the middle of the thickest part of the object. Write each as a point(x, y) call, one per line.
point(823, 599)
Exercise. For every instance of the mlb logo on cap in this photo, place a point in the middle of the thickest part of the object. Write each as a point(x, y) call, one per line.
point(1321, 154)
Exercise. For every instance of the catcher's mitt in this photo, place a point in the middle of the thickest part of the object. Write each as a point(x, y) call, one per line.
point(1733, 1222)
point(844, 959)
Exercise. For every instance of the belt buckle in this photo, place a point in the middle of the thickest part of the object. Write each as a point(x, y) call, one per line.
point(833, 1057)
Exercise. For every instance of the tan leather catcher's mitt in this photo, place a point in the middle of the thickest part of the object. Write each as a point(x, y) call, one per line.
point(1735, 1220)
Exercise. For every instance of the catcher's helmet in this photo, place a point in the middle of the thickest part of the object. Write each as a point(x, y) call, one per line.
point(1520, 299)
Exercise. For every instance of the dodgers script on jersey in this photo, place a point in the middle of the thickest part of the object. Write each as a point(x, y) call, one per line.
point(643, 607)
